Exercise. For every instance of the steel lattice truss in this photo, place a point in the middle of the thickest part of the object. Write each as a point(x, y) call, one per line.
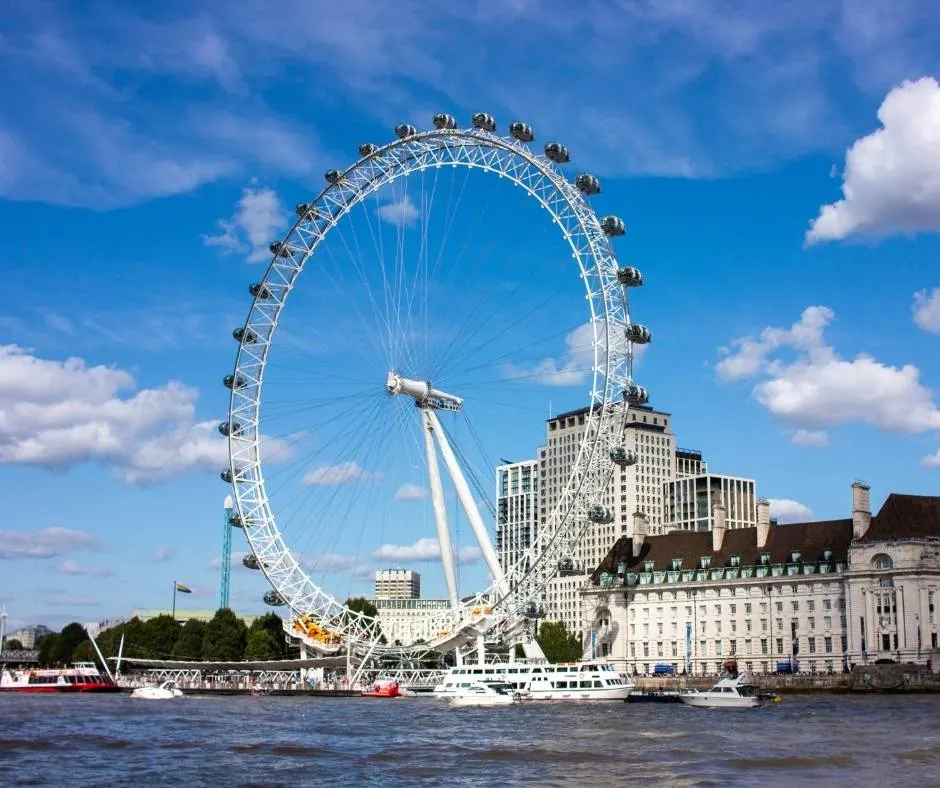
point(592, 252)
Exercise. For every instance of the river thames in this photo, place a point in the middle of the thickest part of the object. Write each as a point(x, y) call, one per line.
point(233, 741)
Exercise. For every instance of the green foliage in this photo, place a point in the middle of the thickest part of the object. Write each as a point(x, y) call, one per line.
point(160, 635)
point(360, 604)
point(273, 625)
point(225, 636)
point(13, 645)
point(261, 645)
point(85, 652)
point(45, 645)
point(557, 643)
point(67, 641)
point(189, 643)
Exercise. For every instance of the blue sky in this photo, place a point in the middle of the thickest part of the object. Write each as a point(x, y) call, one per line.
point(777, 169)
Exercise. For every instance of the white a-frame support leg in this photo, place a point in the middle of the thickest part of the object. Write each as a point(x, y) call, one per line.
point(440, 511)
point(469, 506)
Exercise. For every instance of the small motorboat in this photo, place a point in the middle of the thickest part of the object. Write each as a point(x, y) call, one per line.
point(166, 691)
point(731, 692)
point(383, 688)
point(486, 693)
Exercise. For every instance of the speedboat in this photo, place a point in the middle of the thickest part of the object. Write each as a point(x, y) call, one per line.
point(165, 691)
point(731, 692)
point(486, 693)
point(383, 688)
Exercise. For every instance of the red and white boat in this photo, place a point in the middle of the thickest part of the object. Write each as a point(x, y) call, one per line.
point(383, 688)
point(81, 677)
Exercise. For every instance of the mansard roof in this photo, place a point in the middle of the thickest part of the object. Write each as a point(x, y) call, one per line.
point(905, 517)
point(900, 517)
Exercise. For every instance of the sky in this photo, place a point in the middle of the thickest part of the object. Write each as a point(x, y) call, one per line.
point(778, 169)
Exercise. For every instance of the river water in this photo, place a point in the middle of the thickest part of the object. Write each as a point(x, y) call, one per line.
point(112, 740)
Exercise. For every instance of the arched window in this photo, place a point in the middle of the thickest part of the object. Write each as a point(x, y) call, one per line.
point(882, 561)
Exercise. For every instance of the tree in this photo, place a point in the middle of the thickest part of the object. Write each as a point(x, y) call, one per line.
point(557, 643)
point(45, 644)
point(160, 634)
point(13, 645)
point(69, 639)
point(189, 643)
point(359, 604)
point(225, 636)
point(273, 624)
point(261, 645)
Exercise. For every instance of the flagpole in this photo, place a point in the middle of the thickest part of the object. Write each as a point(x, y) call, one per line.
point(174, 600)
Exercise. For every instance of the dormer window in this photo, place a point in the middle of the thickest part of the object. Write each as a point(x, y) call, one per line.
point(648, 566)
point(827, 554)
point(795, 557)
point(676, 564)
point(704, 562)
point(735, 560)
point(764, 559)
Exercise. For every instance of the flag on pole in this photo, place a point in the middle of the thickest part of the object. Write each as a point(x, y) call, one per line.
point(183, 589)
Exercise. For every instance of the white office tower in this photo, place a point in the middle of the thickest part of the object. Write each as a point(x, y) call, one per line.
point(397, 584)
point(637, 487)
point(691, 502)
point(517, 511)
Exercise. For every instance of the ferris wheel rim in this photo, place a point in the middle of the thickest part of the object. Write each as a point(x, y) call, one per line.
point(283, 571)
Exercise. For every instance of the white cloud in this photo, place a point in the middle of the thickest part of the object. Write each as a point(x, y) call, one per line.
point(257, 220)
point(927, 310)
point(575, 365)
point(235, 561)
point(71, 567)
point(71, 601)
point(55, 414)
point(162, 554)
point(819, 389)
point(891, 177)
point(402, 213)
point(411, 492)
point(810, 438)
point(341, 473)
point(44, 543)
point(424, 550)
point(334, 564)
point(931, 460)
point(786, 511)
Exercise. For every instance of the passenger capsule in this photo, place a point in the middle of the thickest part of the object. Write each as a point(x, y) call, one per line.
point(367, 149)
point(250, 561)
point(274, 599)
point(533, 610)
point(630, 277)
point(636, 395)
point(226, 476)
point(260, 291)
point(405, 130)
point(481, 120)
point(588, 184)
point(623, 456)
point(333, 176)
point(613, 225)
point(280, 249)
point(556, 152)
point(597, 513)
point(245, 336)
point(444, 121)
point(234, 382)
point(521, 131)
point(638, 334)
point(566, 565)
point(227, 428)
point(235, 520)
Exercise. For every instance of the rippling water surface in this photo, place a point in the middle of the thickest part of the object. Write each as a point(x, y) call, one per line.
point(811, 740)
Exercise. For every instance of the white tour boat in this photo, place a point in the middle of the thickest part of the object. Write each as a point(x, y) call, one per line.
point(166, 691)
point(589, 680)
point(731, 692)
point(485, 693)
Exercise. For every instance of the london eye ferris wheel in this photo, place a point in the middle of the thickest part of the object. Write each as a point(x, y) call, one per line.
point(439, 312)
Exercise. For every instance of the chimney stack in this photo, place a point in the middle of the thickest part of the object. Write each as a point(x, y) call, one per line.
point(763, 522)
point(639, 532)
point(861, 509)
point(719, 527)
